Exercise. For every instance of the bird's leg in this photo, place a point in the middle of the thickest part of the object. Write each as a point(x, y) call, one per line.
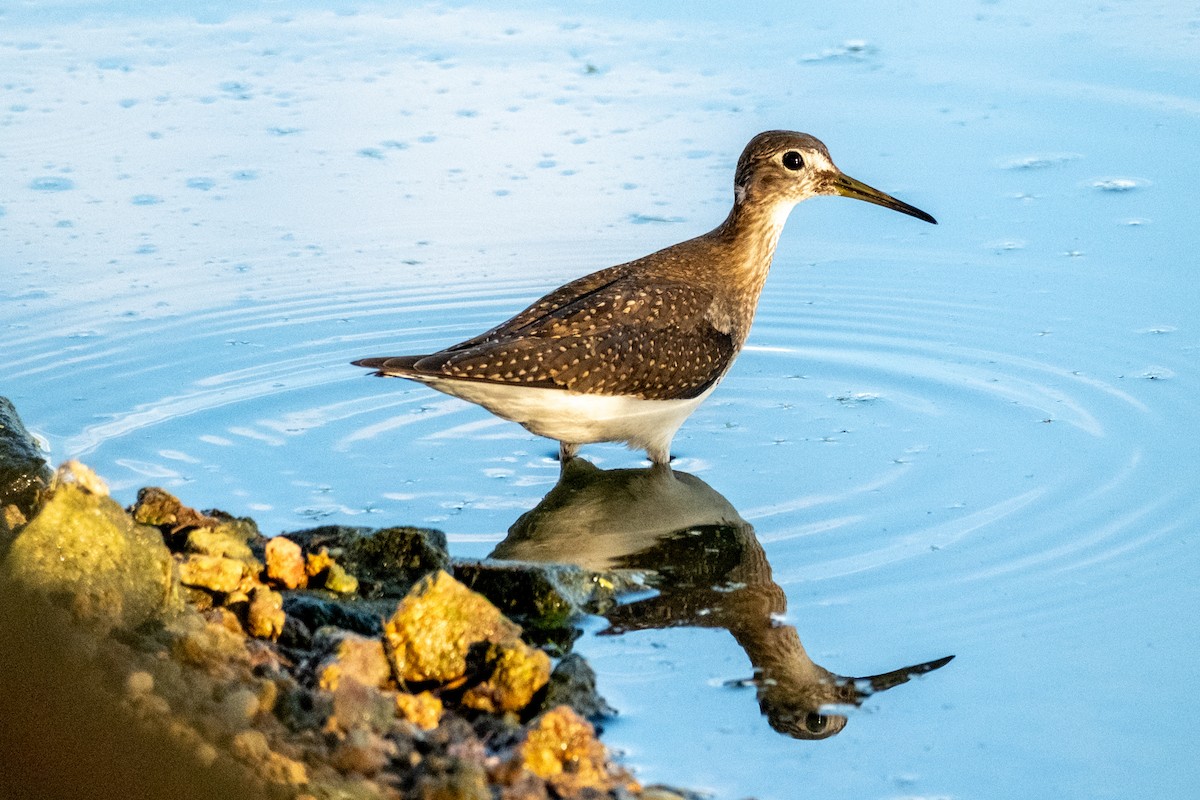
point(567, 451)
point(659, 456)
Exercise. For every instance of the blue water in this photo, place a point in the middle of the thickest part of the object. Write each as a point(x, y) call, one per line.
point(975, 439)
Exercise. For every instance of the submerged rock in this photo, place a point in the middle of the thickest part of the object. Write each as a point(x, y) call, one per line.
point(83, 547)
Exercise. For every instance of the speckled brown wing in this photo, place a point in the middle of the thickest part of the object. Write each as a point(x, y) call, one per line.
point(567, 295)
point(654, 342)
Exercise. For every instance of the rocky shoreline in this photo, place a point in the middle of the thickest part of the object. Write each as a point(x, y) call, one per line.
point(163, 651)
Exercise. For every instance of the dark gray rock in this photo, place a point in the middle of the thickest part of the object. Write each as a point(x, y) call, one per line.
point(386, 562)
point(24, 474)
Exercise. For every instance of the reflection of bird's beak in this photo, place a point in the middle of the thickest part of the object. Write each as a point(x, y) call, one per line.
point(848, 187)
point(887, 680)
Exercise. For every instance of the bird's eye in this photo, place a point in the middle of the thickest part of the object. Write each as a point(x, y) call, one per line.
point(815, 723)
point(793, 160)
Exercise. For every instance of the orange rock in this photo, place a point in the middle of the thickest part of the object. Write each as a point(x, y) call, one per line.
point(215, 573)
point(356, 657)
point(423, 710)
point(518, 672)
point(562, 748)
point(265, 616)
point(285, 563)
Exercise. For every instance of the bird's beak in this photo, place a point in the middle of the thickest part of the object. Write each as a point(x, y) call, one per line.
point(848, 187)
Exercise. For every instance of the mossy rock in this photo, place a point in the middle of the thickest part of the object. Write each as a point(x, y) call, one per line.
point(84, 548)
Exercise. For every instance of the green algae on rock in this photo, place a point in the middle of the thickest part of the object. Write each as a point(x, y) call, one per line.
point(84, 547)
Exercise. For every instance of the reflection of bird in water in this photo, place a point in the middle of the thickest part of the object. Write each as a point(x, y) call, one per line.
point(627, 353)
point(710, 571)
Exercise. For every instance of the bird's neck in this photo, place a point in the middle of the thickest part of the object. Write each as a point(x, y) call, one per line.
point(748, 236)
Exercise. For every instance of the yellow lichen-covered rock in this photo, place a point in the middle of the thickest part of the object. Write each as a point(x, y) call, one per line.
point(357, 657)
point(423, 710)
point(218, 541)
point(82, 546)
point(215, 573)
point(285, 563)
point(318, 562)
point(562, 748)
point(265, 615)
point(518, 672)
point(434, 627)
point(325, 572)
point(339, 581)
point(75, 473)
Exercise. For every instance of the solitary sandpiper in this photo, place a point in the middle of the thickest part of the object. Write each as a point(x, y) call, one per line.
point(627, 353)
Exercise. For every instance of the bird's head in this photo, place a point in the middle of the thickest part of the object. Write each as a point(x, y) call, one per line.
point(778, 169)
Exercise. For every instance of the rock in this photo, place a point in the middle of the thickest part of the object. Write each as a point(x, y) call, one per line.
point(316, 612)
point(139, 683)
point(518, 671)
point(212, 645)
point(83, 547)
point(24, 474)
point(423, 710)
point(164, 511)
point(573, 683)
point(78, 474)
point(238, 708)
point(252, 748)
point(356, 705)
point(265, 616)
point(215, 573)
point(362, 752)
point(562, 748)
point(338, 581)
point(461, 780)
point(434, 627)
point(323, 571)
point(387, 562)
point(350, 655)
point(219, 541)
point(285, 563)
point(386, 553)
point(528, 593)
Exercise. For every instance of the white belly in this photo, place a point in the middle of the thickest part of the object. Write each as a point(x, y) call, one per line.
point(575, 418)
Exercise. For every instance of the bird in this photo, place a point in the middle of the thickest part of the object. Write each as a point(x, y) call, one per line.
point(627, 353)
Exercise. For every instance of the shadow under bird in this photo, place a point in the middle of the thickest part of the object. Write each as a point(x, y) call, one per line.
point(625, 354)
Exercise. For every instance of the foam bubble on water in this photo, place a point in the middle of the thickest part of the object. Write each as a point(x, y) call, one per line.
point(1040, 160)
point(1119, 184)
point(848, 50)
